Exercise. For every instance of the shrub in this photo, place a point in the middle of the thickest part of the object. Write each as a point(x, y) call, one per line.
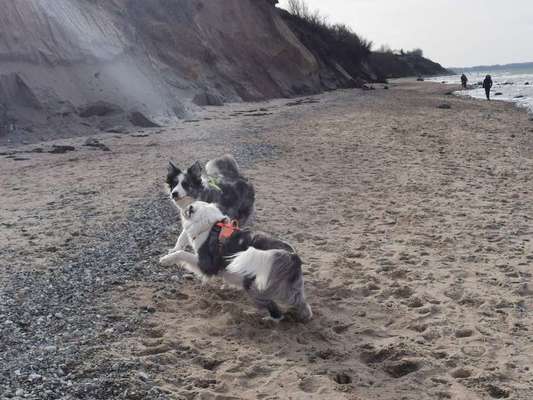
point(342, 42)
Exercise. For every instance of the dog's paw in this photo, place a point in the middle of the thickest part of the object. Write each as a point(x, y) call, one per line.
point(167, 260)
point(275, 320)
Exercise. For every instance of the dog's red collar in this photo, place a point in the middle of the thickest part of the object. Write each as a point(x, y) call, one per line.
point(227, 228)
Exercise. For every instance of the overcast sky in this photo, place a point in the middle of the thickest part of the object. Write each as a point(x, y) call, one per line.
point(455, 33)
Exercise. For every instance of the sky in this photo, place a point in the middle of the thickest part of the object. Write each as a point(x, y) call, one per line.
point(454, 33)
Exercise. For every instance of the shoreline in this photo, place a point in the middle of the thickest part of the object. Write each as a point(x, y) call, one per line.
point(412, 222)
point(514, 100)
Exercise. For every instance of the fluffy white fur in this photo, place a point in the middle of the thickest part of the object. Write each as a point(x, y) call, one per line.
point(259, 265)
point(198, 219)
point(253, 262)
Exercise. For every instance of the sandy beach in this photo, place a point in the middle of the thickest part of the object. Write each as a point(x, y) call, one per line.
point(413, 222)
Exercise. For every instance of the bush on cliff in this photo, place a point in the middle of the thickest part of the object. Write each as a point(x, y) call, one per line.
point(335, 43)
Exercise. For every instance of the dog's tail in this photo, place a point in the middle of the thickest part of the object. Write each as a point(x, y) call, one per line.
point(223, 166)
point(276, 275)
point(255, 264)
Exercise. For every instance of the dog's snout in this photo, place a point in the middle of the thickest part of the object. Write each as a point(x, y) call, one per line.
point(175, 195)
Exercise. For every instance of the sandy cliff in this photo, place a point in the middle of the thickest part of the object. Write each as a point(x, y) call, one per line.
point(158, 57)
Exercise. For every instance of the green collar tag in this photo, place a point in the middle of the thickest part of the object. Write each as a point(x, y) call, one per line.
point(213, 182)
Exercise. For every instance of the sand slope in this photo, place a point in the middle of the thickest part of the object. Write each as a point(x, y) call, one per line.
point(412, 221)
point(155, 57)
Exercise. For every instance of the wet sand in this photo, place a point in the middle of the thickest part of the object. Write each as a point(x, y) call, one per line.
point(413, 221)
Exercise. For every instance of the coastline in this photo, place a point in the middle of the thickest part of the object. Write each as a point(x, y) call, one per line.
point(412, 221)
point(509, 92)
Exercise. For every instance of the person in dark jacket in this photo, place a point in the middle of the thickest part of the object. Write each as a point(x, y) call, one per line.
point(464, 81)
point(487, 84)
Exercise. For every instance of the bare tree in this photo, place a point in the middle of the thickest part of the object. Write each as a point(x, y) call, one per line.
point(298, 8)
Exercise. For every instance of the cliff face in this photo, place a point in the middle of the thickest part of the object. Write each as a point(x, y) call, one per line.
point(152, 56)
point(64, 61)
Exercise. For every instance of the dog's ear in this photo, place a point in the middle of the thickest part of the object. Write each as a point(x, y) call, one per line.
point(195, 171)
point(173, 171)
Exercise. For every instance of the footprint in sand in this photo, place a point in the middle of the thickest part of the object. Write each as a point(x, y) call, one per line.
point(463, 332)
point(461, 373)
point(310, 385)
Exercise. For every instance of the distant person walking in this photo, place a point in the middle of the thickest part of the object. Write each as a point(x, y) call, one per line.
point(464, 81)
point(487, 84)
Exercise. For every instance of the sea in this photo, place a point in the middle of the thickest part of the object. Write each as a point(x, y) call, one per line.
point(514, 85)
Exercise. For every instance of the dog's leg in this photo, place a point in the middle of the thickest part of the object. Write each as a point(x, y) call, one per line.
point(190, 260)
point(304, 311)
point(178, 257)
point(183, 241)
point(274, 312)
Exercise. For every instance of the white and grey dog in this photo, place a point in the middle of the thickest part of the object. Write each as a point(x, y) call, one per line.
point(267, 269)
point(222, 184)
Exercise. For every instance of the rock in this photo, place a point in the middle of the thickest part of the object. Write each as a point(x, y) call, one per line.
point(527, 83)
point(444, 106)
point(139, 119)
point(99, 109)
point(148, 309)
point(386, 87)
point(61, 149)
point(34, 377)
point(463, 332)
point(50, 348)
point(19, 392)
point(342, 378)
point(448, 93)
point(359, 83)
point(498, 94)
point(461, 373)
point(143, 376)
point(398, 369)
point(116, 129)
point(91, 142)
point(420, 79)
point(520, 96)
point(208, 99)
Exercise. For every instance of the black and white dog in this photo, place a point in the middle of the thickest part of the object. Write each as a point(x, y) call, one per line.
point(222, 184)
point(267, 269)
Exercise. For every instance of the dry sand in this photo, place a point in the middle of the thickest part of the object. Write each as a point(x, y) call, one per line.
point(414, 224)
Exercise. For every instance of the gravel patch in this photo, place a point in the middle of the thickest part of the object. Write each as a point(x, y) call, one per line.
point(54, 323)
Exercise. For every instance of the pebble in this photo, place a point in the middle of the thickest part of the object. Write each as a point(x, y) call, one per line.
point(34, 377)
point(144, 376)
